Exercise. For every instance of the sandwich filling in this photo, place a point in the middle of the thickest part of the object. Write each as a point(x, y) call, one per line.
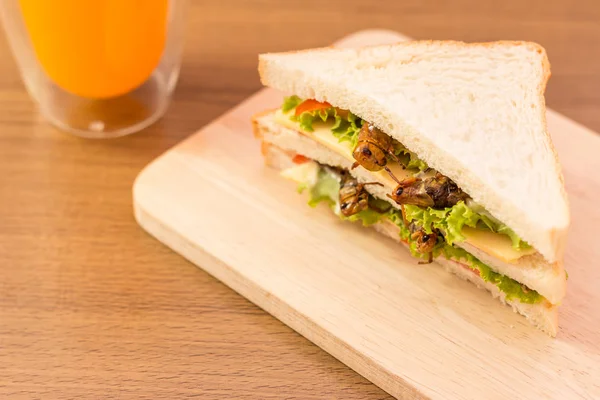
point(431, 213)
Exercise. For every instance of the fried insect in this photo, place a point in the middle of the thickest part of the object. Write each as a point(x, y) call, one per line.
point(425, 242)
point(353, 196)
point(438, 191)
point(373, 149)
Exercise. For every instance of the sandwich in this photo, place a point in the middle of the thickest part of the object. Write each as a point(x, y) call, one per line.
point(439, 145)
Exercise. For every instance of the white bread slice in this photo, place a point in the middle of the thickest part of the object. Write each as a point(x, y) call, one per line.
point(542, 315)
point(546, 278)
point(474, 112)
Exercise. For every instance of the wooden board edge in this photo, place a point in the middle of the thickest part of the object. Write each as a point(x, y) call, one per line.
point(302, 324)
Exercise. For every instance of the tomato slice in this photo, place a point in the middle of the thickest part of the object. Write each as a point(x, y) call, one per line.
point(300, 159)
point(310, 105)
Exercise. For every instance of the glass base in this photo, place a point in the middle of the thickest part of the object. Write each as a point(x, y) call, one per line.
point(107, 118)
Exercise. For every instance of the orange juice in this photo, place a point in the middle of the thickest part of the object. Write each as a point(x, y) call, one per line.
point(97, 48)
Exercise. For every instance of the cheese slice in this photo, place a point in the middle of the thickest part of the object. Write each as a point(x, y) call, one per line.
point(494, 244)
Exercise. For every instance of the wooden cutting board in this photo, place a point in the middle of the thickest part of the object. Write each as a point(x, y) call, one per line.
point(416, 331)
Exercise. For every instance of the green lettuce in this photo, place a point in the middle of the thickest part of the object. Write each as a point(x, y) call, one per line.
point(512, 288)
point(367, 217)
point(327, 188)
point(395, 216)
point(346, 127)
point(409, 159)
point(308, 118)
point(517, 242)
point(291, 102)
point(451, 221)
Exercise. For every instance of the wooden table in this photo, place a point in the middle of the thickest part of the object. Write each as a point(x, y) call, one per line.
point(92, 307)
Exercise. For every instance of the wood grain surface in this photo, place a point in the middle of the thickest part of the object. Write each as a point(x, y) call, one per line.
point(92, 307)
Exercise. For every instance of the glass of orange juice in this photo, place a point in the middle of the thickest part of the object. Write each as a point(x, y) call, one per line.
point(97, 68)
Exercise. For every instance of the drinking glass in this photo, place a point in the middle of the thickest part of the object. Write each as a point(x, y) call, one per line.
point(97, 68)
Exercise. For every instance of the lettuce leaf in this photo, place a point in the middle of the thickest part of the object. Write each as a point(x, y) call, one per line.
point(291, 102)
point(451, 221)
point(409, 159)
point(326, 189)
point(512, 288)
point(346, 128)
point(496, 226)
point(346, 125)
point(395, 216)
point(368, 217)
point(517, 242)
point(308, 118)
